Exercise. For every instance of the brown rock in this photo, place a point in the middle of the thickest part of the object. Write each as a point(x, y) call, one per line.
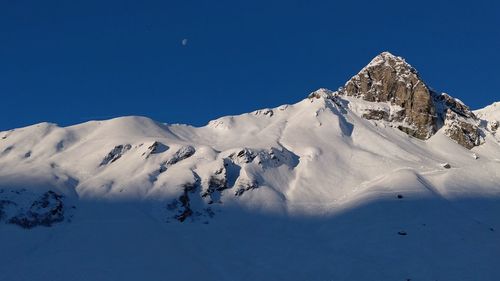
point(374, 114)
point(390, 79)
point(461, 130)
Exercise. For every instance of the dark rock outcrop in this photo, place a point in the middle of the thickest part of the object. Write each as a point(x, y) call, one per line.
point(243, 156)
point(115, 154)
point(375, 114)
point(181, 154)
point(461, 130)
point(216, 183)
point(245, 186)
point(186, 210)
point(155, 148)
point(47, 210)
point(446, 165)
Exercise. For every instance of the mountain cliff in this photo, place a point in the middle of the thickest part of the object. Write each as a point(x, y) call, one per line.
point(419, 111)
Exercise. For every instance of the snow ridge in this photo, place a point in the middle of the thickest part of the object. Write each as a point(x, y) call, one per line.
point(353, 170)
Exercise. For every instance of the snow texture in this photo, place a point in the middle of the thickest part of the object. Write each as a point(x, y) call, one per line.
point(308, 191)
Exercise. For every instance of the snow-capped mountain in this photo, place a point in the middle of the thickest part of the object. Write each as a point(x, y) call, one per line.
point(383, 179)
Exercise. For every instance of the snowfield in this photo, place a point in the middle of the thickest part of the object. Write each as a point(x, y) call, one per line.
point(308, 191)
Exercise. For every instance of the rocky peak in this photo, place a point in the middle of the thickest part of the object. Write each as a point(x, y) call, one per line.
point(388, 78)
point(421, 112)
point(386, 59)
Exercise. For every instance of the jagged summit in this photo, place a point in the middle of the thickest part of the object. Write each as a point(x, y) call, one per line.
point(393, 92)
point(388, 78)
point(392, 60)
point(398, 95)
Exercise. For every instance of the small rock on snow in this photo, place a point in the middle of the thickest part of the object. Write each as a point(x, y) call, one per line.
point(446, 165)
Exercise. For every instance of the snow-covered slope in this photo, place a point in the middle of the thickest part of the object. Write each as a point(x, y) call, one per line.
point(322, 189)
point(491, 117)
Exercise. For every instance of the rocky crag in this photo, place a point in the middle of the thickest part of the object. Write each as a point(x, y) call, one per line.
point(411, 105)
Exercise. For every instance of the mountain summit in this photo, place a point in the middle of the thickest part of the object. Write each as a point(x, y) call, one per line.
point(415, 108)
point(385, 169)
point(388, 78)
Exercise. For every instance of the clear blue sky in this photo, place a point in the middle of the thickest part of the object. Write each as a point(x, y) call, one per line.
point(72, 61)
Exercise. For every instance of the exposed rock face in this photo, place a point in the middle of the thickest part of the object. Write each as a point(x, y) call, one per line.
point(376, 114)
point(115, 154)
point(183, 208)
point(245, 185)
point(181, 154)
point(185, 201)
point(388, 78)
point(216, 183)
point(421, 112)
point(155, 148)
point(460, 124)
point(461, 130)
point(47, 210)
point(243, 156)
